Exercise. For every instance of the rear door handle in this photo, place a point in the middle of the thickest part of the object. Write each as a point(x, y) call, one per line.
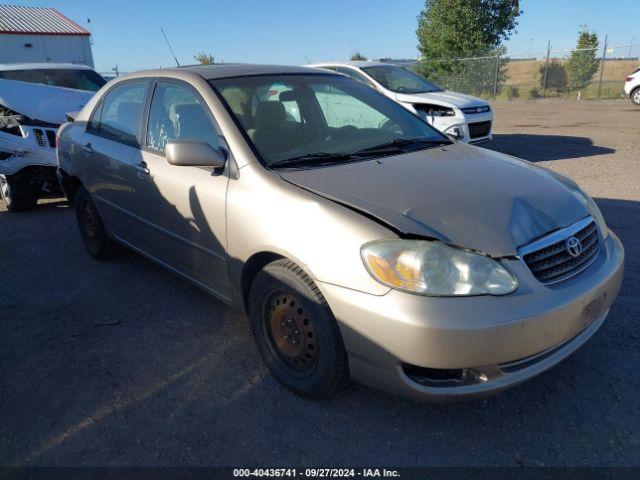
point(87, 148)
point(141, 168)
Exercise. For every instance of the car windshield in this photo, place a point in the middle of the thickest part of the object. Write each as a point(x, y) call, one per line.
point(320, 118)
point(78, 79)
point(400, 80)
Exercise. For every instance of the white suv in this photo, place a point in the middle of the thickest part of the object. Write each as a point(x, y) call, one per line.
point(632, 86)
point(35, 98)
point(466, 118)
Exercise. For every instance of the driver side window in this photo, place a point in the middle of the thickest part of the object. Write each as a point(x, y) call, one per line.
point(177, 113)
point(355, 75)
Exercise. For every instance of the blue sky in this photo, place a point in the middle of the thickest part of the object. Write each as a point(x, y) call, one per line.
point(127, 32)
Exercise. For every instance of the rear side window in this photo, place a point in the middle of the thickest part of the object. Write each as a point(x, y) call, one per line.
point(118, 115)
point(177, 113)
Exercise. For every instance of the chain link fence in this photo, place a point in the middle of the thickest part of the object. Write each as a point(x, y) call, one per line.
point(585, 74)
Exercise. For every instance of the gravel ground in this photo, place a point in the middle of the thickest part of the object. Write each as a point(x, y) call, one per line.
point(122, 363)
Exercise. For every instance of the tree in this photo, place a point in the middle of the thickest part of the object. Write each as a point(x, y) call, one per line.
point(204, 58)
point(583, 63)
point(358, 57)
point(450, 29)
point(556, 76)
point(463, 28)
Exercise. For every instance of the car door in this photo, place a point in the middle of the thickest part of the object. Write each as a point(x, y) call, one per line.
point(181, 209)
point(108, 150)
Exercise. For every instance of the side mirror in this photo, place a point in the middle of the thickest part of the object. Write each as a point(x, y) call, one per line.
point(194, 153)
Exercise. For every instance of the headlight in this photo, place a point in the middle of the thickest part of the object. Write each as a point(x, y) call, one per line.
point(434, 110)
point(433, 268)
point(595, 212)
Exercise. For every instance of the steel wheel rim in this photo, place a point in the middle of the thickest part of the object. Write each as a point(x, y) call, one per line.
point(290, 332)
point(636, 97)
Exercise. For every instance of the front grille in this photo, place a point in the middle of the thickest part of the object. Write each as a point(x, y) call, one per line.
point(51, 138)
point(45, 137)
point(39, 136)
point(553, 262)
point(479, 129)
point(474, 110)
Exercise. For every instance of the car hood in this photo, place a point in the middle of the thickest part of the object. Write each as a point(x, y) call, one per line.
point(444, 98)
point(42, 102)
point(459, 194)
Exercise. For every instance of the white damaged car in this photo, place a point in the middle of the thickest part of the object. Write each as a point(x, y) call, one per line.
point(35, 99)
point(463, 117)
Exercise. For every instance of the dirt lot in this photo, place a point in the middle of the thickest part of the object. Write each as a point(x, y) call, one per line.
point(124, 364)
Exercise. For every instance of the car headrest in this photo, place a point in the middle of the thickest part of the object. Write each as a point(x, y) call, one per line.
point(270, 114)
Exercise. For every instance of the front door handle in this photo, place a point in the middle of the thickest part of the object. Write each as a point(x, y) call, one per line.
point(87, 148)
point(141, 168)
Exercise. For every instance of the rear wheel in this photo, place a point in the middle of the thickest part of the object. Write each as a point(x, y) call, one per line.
point(296, 333)
point(94, 236)
point(635, 96)
point(16, 198)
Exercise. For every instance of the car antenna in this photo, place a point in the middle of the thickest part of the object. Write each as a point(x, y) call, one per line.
point(169, 45)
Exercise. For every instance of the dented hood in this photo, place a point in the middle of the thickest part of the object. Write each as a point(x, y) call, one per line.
point(460, 194)
point(444, 97)
point(42, 102)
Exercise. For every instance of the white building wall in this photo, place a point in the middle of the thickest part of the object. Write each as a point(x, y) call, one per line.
point(45, 48)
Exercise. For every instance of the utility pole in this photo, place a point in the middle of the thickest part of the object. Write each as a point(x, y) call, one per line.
point(630, 45)
point(546, 69)
point(495, 78)
point(604, 56)
point(530, 41)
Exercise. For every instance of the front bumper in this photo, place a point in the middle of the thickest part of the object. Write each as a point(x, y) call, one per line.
point(497, 342)
point(463, 124)
point(34, 147)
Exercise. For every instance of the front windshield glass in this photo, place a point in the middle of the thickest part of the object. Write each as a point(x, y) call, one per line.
point(400, 80)
point(80, 79)
point(292, 116)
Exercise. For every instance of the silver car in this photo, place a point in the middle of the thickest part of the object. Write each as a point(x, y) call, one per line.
point(361, 242)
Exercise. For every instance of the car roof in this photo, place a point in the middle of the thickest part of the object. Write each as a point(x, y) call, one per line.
point(42, 66)
point(353, 63)
point(228, 70)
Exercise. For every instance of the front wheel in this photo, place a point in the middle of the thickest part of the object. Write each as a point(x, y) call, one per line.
point(15, 199)
point(635, 96)
point(297, 335)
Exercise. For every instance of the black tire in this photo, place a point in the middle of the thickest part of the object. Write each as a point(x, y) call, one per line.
point(635, 96)
point(16, 199)
point(314, 367)
point(94, 235)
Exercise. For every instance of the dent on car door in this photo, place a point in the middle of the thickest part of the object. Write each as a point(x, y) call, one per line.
point(109, 148)
point(181, 209)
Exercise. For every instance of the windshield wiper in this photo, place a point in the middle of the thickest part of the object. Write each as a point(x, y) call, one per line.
point(313, 158)
point(404, 144)
point(398, 145)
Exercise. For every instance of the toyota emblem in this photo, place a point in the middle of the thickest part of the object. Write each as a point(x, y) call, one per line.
point(573, 246)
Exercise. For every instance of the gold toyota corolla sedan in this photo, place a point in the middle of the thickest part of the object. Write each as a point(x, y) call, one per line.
point(361, 242)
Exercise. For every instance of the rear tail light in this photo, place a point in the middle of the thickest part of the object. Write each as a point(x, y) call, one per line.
point(628, 79)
